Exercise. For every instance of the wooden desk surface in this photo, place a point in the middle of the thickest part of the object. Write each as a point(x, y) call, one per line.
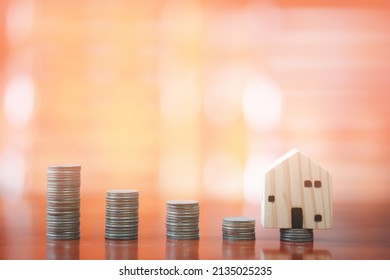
point(360, 232)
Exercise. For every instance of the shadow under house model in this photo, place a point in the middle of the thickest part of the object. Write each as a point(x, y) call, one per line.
point(297, 197)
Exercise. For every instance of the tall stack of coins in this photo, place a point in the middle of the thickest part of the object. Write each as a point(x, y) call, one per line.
point(63, 202)
point(182, 221)
point(122, 214)
point(238, 228)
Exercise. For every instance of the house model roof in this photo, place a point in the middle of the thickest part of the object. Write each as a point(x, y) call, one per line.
point(287, 156)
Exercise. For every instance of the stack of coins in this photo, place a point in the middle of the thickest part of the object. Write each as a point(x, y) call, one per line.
point(63, 202)
point(238, 228)
point(296, 235)
point(122, 214)
point(182, 219)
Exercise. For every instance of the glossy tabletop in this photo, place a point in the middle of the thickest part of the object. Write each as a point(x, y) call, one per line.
point(360, 232)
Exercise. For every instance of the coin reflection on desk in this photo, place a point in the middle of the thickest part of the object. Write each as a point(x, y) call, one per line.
point(296, 251)
point(121, 249)
point(238, 249)
point(62, 249)
point(182, 249)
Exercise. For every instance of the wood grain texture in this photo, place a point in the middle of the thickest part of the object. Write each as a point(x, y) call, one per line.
point(285, 189)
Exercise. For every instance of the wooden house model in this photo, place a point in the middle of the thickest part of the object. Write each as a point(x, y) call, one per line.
point(297, 194)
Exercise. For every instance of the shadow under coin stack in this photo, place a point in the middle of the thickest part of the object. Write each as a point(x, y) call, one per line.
point(182, 221)
point(63, 202)
point(122, 214)
point(238, 228)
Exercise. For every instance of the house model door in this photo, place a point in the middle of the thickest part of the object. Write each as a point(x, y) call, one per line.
point(296, 217)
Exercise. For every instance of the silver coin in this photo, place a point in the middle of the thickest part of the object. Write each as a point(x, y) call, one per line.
point(123, 233)
point(62, 195)
point(182, 207)
point(122, 194)
point(120, 233)
point(63, 227)
point(61, 213)
point(65, 220)
point(121, 218)
point(182, 233)
point(238, 224)
point(74, 225)
point(238, 228)
point(62, 222)
point(184, 224)
point(180, 237)
point(239, 234)
point(129, 196)
point(179, 227)
point(125, 211)
point(120, 215)
point(239, 238)
point(64, 176)
point(239, 220)
point(126, 228)
point(182, 221)
point(128, 207)
point(63, 236)
point(121, 224)
point(183, 214)
point(63, 202)
point(60, 237)
point(61, 230)
point(182, 202)
point(62, 190)
point(60, 203)
point(114, 201)
point(121, 227)
point(67, 223)
point(122, 204)
point(50, 209)
point(125, 237)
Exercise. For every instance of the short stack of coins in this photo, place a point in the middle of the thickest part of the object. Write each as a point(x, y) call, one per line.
point(63, 202)
point(182, 221)
point(238, 228)
point(296, 235)
point(122, 214)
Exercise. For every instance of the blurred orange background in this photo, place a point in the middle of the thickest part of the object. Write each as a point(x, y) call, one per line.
point(194, 99)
